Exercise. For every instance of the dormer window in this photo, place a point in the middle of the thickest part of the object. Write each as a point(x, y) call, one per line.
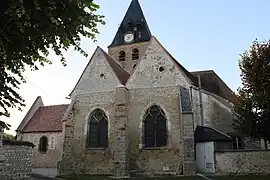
point(122, 56)
point(135, 54)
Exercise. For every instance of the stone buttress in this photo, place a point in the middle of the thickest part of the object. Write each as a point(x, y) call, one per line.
point(119, 130)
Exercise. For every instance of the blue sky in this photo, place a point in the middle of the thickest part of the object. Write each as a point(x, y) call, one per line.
point(200, 34)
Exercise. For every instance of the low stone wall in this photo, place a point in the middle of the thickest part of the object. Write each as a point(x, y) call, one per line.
point(16, 161)
point(243, 162)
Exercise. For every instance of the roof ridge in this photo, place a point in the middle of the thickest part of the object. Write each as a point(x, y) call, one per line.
point(46, 119)
point(210, 70)
point(54, 105)
point(20, 127)
point(186, 72)
point(31, 118)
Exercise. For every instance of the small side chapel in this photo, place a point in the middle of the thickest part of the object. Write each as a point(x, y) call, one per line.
point(136, 109)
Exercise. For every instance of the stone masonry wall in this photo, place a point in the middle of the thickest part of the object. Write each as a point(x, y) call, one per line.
point(76, 157)
point(119, 131)
point(252, 144)
point(54, 153)
point(243, 162)
point(128, 64)
point(215, 111)
point(17, 162)
point(155, 160)
point(99, 74)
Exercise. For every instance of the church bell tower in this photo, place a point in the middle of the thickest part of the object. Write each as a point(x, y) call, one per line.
point(132, 37)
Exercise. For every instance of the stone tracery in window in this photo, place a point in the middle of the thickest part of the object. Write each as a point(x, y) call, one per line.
point(155, 127)
point(97, 132)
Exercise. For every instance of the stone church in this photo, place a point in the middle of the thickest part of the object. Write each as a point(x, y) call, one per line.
point(134, 110)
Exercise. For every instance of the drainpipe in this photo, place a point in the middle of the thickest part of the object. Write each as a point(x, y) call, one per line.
point(200, 99)
point(191, 99)
point(193, 121)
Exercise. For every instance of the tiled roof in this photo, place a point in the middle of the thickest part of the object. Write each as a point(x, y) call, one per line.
point(37, 103)
point(46, 119)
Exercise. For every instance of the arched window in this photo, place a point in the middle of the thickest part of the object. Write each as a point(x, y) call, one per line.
point(155, 127)
point(135, 54)
point(97, 134)
point(43, 144)
point(122, 56)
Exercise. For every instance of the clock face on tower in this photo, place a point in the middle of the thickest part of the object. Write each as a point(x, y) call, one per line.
point(129, 37)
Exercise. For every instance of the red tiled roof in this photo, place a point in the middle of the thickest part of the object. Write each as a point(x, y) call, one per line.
point(46, 119)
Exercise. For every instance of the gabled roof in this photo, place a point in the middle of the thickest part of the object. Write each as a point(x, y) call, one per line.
point(134, 21)
point(37, 103)
point(46, 119)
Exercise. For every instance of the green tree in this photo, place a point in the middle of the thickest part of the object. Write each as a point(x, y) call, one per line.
point(29, 28)
point(252, 106)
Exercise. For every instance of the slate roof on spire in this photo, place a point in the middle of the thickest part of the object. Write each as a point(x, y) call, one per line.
point(135, 22)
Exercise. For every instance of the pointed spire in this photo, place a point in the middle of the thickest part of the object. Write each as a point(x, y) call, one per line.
point(135, 23)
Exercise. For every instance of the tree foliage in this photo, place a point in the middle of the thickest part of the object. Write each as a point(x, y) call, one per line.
point(8, 137)
point(4, 126)
point(252, 106)
point(29, 28)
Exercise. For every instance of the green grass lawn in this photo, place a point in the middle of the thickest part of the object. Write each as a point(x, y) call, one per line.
point(249, 177)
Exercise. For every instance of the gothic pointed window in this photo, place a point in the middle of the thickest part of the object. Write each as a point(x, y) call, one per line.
point(122, 56)
point(135, 54)
point(97, 134)
point(155, 127)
